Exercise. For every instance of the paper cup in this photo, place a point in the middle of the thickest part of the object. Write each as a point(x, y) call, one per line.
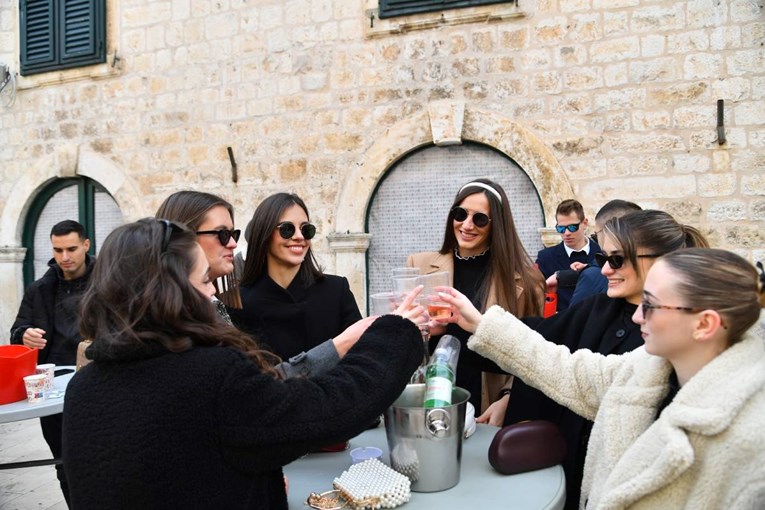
point(47, 370)
point(35, 385)
point(365, 453)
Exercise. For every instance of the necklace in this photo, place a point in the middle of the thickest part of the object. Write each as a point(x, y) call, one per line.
point(469, 257)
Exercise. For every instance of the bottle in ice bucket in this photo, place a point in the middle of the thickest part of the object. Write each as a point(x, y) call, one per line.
point(441, 372)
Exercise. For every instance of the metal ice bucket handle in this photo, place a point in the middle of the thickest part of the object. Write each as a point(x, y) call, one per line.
point(437, 421)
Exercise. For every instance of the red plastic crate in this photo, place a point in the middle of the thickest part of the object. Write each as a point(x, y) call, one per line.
point(16, 362)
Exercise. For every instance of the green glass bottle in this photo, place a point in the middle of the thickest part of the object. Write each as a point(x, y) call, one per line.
point(441, 372)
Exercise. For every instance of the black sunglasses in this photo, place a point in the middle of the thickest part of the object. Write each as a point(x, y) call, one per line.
point(170, 229)
point(287, 230)
point(480, 219)
point(571, 228)
point(224, 236)
point(617, 261)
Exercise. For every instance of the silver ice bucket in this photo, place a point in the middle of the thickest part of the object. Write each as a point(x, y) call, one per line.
point(426, 443)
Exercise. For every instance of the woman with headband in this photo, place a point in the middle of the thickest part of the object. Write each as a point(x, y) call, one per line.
point(288, 303)
point(180, 410)
point(486, 261)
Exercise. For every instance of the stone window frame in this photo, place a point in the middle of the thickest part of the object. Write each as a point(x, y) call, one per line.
point(110, 68)
point(376, 27)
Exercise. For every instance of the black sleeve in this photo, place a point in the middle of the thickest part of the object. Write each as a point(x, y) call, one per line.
point(25, 317)
point(266, 423)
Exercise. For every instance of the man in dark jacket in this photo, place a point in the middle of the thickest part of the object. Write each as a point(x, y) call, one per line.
point(47, 318)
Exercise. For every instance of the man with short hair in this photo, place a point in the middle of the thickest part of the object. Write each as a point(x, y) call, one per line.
point(47, 318)
point(575, 246)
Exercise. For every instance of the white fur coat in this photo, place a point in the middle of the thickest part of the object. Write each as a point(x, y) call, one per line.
point(706, 450)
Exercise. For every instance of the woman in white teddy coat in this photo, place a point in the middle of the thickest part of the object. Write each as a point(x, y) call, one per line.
point(680, 422)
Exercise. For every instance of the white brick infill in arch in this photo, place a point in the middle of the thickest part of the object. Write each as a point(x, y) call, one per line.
point(67, 161)
point(443, 123)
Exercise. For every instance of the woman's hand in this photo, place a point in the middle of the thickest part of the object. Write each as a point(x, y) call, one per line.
point(348, 338)
point(495, 413)
point(408, 309)
point(464, 314)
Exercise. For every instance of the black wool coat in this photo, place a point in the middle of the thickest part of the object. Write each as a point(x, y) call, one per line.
point(293, 320)
point(206, 429)
point(600, 324)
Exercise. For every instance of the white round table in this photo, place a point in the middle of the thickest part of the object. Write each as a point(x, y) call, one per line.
point(479, 486)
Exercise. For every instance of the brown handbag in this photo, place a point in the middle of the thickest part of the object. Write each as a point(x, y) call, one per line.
point(527, 446)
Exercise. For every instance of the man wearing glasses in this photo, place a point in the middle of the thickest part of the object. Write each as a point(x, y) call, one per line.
point(575, 247)
point(47, 318)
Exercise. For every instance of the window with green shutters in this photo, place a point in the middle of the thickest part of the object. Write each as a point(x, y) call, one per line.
point(391, 8)
point(61, 34)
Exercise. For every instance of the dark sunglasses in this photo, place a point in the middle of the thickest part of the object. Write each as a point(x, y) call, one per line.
point(170, 229)
point(480, 219)
point(571, 228)
point(287, 230)
point(617, 261)
point(646, 308)
point(224, 236)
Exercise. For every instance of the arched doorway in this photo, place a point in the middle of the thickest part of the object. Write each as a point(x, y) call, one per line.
point(408, 209)
point(76, 198)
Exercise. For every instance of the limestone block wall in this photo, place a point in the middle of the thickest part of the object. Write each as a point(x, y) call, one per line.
point(620, 93)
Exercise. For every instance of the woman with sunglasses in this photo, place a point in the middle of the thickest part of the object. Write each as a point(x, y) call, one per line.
point(212, 218)
point(486, 261)
point(287, 301)
point(678, 422)
point(601, 323)
point(180, 410)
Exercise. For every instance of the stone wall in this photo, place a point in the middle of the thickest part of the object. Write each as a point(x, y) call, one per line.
point(620, 93)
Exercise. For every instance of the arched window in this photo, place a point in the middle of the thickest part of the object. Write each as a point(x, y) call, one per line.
point(78, 198)
point(409, 207)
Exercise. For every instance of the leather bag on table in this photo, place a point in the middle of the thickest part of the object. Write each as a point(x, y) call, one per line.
point(527, 446)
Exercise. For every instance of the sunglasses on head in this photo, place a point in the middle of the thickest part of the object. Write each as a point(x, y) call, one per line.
point(170, 229)
point(617, 261)
point(480, 219)
point(224, 236)
point(287, 230)
point(571, 228)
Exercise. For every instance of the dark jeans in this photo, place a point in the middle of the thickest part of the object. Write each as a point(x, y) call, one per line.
point(51, 429)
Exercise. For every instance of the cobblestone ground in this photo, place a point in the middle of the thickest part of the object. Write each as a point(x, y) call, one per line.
point(30, 488)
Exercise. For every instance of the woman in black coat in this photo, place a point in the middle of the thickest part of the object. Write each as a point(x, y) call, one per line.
point(179, 410)
point(288, 303)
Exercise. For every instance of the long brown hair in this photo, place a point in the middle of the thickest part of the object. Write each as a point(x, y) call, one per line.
point(718, 280)
point(190, 208)
point(140, 299)
point(259, 230)
point(508, 257)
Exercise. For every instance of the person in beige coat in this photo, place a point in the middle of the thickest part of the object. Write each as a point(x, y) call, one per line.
point(486, 261)
point(679, 421)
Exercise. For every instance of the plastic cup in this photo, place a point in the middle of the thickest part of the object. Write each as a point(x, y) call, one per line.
point(365, 453)
point(47, 370)
point(385, 302)
point(436, 309)
point(35, 385)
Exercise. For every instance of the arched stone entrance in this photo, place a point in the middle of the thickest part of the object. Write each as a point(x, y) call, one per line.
point(443, 123)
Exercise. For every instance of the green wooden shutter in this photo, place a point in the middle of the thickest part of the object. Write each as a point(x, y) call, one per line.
point(79, 37)
point(37, 34)
point(391, 8)
point(60, 34)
